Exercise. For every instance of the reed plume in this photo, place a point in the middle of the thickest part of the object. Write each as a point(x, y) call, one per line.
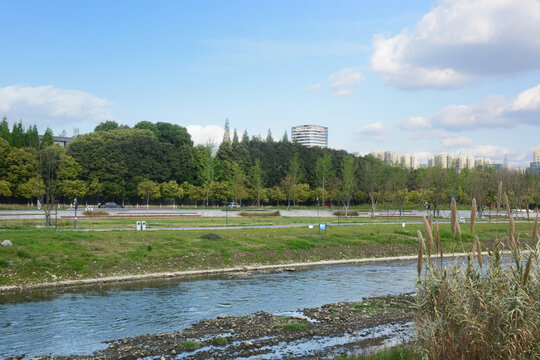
point(499, 196)
point(527, 269)
point(421, 246)
point(478, 249)
point(429, 235)
point(453, 216)
point(473, 214)
point(535, 228)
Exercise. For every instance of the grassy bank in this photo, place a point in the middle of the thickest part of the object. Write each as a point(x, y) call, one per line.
point(48, 255)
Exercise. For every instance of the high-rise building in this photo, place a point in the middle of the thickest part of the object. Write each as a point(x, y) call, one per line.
point(310, 135)
point(536, 156)
point(535, 165)
point(393, 158)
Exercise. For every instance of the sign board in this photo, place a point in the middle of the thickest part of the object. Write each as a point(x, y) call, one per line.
point(143, 225)
point(322, 226)
point(311, 226)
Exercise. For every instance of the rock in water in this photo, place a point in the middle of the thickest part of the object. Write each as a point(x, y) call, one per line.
point(7, 243)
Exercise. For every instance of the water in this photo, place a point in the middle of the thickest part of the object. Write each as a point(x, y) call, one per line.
point(77, 322)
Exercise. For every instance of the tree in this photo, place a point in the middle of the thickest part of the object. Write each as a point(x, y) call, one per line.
point(4, 130)
point(348, 171)
point(21, 165)
point(255, 176)
point(269, 138)
point(238, 184)
point(5, 188)
point(206, 168)
point(373, 178)
point(148, 189)
point(277, 194)
point(171, 191)
point(47, 139)
point(72, 188)
point(294, 177)
point(285, 138)
point(107, 126)
point(323, 169)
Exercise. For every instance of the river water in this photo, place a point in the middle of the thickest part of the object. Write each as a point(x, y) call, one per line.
point(77, 322)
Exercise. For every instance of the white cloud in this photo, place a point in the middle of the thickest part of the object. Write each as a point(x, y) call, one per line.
point(376, 131)
point(202, 135)
point(51, 106)
point(459, 41)
point(457, 141)
point(314, 87)
point(422, 156)
point(345, 81)
point(415, 122)
point(491, 112)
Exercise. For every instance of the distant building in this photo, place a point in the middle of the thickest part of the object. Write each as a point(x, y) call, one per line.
point(450, 160)
point(535, 165)
point(310, 135)
point(60, 140)
point(393, 158)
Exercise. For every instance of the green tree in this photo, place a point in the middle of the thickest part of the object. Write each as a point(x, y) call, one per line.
point(17, 135)
point(294, 173)
point(47, 139)
point(323, 169)
point(5, 188)
point(171, 191)
point(238, 184)
point(21, 165)
point(107, 126)
point(255, 176)
point(302, 192)
point(348, 172)
point(148, 189)
point(71, 188)
point(277, 194)
point(4, 130)
point(206, 168)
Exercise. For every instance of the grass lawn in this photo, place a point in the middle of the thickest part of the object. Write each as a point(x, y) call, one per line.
point(39, 255)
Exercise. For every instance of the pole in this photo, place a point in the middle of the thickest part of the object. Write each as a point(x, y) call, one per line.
point(56, 217)
point(75, 223)
point(226, 216)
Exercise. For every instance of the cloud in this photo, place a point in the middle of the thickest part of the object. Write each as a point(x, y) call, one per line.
point(314, 87)
point(202, 135)
point(415, 122)
point(459, 41)
point(491, 112)
point(52, 106)
point(345, 81)
point(457, 141)
point(376, 131)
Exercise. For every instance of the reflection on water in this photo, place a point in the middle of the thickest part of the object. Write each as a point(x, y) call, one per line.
point(77, 322)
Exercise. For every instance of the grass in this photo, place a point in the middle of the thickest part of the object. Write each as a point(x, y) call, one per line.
point(259, 213)
point(46, 255)
point(401, 352)
point(294, 327)
point(190, 345)
point(221, 341)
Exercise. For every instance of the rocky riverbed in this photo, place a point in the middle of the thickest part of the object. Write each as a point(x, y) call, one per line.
point(332, 330)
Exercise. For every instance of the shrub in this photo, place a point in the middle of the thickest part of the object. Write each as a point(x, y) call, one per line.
point(463, 312)
point(95, 213)
point(259, 213)
point(345, 213)
point(211, 236)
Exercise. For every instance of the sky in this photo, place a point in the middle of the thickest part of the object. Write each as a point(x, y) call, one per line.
point(422, 77)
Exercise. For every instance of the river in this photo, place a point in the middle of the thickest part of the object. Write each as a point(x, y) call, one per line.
point(78, 321)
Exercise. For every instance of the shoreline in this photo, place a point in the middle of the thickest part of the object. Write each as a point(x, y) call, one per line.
point(10, 289)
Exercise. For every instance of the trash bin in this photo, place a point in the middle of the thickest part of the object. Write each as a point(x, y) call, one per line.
point(143, 225)
point(139, 226)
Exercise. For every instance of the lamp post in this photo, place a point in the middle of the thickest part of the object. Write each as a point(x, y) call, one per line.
point(56, 216)
point(76, 205)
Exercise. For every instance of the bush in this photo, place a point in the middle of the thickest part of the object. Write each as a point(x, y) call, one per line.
point(259, 213)
point(345, 213)
point(95, 213)
point(463, 312)
point(211, 236)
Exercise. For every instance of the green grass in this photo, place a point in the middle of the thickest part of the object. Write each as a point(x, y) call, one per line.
point(221, 341)
point(190, 345)
point(401, 352)
point(41, 255)
point(294, 327)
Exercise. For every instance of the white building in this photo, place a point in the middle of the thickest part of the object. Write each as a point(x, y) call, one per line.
point(310, 135)
point(409, 161)
point(536, 156)
point(394, 158)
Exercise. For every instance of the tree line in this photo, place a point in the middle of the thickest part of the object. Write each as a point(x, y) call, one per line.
point(158, 163)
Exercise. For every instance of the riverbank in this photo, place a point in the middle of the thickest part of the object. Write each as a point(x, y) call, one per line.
point(46, 259)
point(344, 328)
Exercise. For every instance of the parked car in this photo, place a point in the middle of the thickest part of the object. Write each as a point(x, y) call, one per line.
point(234, 205)
point(109, 205)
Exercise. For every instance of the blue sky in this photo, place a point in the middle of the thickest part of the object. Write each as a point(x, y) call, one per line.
point(423, 77)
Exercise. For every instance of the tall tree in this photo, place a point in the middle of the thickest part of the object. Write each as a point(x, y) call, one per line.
point(323, 169)
point(269, 138)
point(171, 191)
point(295, 174)
point(4, 130)
point(348, 172)
point(107, 126)
point(148, 189)
point(255, 175)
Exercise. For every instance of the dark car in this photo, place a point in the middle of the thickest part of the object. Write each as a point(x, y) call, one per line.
point(109, 205)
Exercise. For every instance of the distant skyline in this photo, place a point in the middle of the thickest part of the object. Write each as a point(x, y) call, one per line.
point(422, 77)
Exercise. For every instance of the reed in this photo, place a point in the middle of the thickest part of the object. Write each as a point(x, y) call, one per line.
point(466, 313)
point(421, 247)
point(453, 217)
point(473, 213)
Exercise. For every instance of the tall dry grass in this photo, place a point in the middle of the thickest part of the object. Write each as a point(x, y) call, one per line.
point(464, 312)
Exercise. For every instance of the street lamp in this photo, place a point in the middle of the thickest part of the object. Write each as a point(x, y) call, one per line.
point(76, 205)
